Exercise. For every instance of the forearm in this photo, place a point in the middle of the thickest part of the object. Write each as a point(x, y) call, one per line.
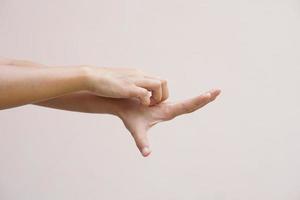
point(20, 86)
point(83, 102)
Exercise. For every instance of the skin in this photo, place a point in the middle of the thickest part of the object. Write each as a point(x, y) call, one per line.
point(137, 116)
point(20, 85)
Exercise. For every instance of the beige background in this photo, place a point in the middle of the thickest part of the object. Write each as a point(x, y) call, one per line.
point(244, 146)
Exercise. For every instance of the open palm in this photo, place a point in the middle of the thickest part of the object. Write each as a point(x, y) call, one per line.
point(138, 119)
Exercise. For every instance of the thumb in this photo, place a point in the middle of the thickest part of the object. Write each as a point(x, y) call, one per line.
point(142, 143)
point(142, 94)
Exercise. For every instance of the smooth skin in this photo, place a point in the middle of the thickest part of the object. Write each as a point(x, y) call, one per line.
point(20, 86)
point(139, 112)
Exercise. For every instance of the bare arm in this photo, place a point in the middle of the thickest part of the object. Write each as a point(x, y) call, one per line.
point(80, 101)
point(24, 82)
point(20, 86)
point(138, 119)
point(83, 102)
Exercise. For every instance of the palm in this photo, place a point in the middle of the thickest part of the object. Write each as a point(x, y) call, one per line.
point(138, 119)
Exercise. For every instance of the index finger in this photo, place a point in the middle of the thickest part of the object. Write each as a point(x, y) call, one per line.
point(193, 104)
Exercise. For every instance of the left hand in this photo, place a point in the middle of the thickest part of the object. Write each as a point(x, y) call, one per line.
point(138, 119)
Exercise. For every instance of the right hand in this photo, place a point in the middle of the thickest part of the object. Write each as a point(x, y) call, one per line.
point(127, 83)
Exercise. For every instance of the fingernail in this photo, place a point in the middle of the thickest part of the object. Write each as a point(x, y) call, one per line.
point(146, 151)
point(208, 94)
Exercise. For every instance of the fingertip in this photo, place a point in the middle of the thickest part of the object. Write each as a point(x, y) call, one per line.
point(215, 94)
point(207, 95)
point(216, 91)
point(146, 151)
point(145, 100)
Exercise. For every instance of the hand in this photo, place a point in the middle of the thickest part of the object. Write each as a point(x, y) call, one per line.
point(127, 83)
point(139, 119)
point(112, 82)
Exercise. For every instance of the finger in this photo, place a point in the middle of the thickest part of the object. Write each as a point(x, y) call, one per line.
point(165, 90)
point(142, 94)
point(216, 92)
point(193, 104)
point(142, 143)
point(164, 85)
point(155, 86)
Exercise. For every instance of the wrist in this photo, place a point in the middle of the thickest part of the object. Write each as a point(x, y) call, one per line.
point(97, 104)
point(115, 107)
point(86, 73)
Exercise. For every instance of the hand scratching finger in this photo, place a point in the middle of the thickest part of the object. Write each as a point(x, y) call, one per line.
point(164, 85)
point(142, 94)
point(152, 85)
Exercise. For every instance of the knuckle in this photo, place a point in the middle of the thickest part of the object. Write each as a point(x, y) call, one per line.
point(164, 81)
point(166, 96)
point(128, 92)
point(157, 84)
point(125, 82)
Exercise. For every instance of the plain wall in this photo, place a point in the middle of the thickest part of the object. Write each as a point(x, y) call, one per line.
point(244, 146)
